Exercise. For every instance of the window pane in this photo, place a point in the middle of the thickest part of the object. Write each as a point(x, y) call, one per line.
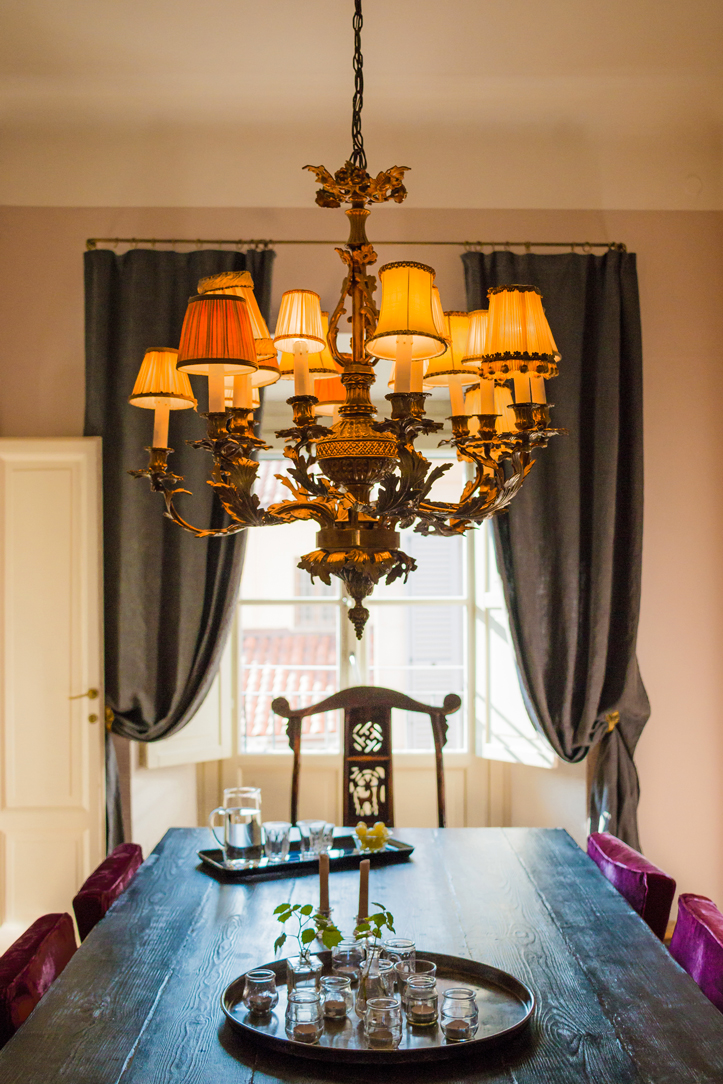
point(280, 659)
point(421, 651)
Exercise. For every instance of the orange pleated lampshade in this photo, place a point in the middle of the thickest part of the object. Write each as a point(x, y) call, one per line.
point(159, 383)
point(406, 310)
point(217, 332)
point(518, 334)
point(330, 393)
point(299, 320)
point(476, 338)
point(241, 284)
point(439, 370)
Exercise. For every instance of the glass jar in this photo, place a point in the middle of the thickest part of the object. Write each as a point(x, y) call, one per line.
point(260, 995)
point(347, 959)
point(460, 1016)
point(371, 980)
point(304, 1020)
point(303, 971)
point(383, 1022)
point(398, 949)
point(388, 976)
point(405, 969)
point(422, 1000)
point(337, 999)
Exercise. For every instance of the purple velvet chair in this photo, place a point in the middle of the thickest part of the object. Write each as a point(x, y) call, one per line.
point(29, 966)
point(103, 887)
point(647, 889)
point(697, 944)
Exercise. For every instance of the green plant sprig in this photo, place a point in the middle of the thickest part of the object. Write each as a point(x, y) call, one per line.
point(373, 925)
point(312, 924)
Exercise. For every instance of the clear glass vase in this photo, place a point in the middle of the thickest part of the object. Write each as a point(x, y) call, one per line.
point(371, 980)
point(303, 972)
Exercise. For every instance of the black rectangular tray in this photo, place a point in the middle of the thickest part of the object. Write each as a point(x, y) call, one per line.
point(345, 854)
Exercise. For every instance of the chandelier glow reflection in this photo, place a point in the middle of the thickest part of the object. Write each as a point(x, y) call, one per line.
point(362, 480)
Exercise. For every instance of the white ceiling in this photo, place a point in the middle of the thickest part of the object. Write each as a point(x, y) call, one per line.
point(561, 103)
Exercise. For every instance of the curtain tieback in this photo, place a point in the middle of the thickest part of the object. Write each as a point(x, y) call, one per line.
point(612, 719)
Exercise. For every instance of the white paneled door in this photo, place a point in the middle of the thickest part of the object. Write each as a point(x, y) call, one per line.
point(52, 807)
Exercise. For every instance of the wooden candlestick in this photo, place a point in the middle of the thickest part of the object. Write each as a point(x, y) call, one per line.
point(363, 889)
point(323, 882)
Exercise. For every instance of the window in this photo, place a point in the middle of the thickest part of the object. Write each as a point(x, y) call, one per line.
point(295, 639)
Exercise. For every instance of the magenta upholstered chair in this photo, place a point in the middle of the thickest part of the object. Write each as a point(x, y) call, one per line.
point(29, 966)
point(647, 889)
point(697, 944)
point(103, 887)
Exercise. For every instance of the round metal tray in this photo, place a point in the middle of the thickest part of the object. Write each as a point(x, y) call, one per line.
point(505, 1007)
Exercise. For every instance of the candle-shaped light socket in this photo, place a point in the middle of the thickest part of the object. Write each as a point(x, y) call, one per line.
point(537, 387)
point(521, 382)
point(160, 425)
point(456, 395)
point(403, 364)
point(243, 392)
point(216, 390)
point(302, 377)
point(487, 397)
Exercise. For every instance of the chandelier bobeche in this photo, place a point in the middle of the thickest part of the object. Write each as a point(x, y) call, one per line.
point(360, 479)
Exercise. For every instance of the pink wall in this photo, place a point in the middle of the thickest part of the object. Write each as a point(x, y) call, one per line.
point(680, 256)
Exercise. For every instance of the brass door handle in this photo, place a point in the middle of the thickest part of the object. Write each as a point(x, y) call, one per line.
point(92, 718)
point(92, 694)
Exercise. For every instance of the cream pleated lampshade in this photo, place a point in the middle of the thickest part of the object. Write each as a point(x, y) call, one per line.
point(321, 363)
point(439, 369)
point(406, 310)
point(476, 338)
point(299, 320)
point(159, 383)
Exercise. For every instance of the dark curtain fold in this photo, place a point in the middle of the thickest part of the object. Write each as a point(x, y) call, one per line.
point(569, 549)
point(169, 597)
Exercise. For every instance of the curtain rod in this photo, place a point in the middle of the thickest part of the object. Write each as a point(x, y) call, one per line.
point(584, 246)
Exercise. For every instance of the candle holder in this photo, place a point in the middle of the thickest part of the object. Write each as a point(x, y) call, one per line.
point(337, 999)
point(524, 416)
point(304, 1019)
point(541, 415)
point(383, 1022)
point(460, 1015)
point(347, 959)
point(422, 1000)
point(260, 995)
point(302, 407)
point(487, 426)
point(460, 425)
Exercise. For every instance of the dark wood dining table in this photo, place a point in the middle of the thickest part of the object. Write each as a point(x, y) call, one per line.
point(140, 1001)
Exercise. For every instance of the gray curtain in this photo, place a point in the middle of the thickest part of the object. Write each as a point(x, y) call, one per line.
point(169, 597)
point(569, 549)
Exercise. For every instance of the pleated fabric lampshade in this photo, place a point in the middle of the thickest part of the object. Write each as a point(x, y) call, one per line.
point(439, 369)
point(159, 383)
point(299, 320)
point(321, 363)
point(406, 312)
point(241, 284)
point(217, 334)
point(518, 337)
point(476, 338)
point(331, 393)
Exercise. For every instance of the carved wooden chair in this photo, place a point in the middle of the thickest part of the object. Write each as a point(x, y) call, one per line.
point(368, 785)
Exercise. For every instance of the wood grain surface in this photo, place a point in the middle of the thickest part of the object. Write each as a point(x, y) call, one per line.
point(139, 1003)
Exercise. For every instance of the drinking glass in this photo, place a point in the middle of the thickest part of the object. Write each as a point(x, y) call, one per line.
point(383, 1022)
point(460, 1015)
point(346, 960)
point(336, 997)
point(327, 839)
point(422, 1000)
point(310, 832)
point(241, 843)
point(398, 949)
point(388, 975)
point(304, 1020)
point(260, 995)
point(276, 840)
point(405, 969)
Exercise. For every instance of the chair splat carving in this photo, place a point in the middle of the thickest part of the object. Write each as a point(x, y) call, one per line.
point(368, 779)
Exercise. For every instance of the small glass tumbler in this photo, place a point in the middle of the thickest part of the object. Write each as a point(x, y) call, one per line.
point(304, 1020)
point(310, 832)
point(422, 1000)
point(460, 1015)
point(327, 839)
point(346, 960)
point(276, 840)
point(405, 969)
point(260, 995)
point(337, 999)
point(383, 1022)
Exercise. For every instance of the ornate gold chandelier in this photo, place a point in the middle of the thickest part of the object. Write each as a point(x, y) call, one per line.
point(370, 481)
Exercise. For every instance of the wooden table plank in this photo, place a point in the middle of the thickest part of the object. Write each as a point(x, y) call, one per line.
point(139, 1004)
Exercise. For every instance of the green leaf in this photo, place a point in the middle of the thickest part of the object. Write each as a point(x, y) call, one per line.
point(307, 909)
point(286, 916)
point(307, 936)
point(331, 937)
point(296, 907)
point(280, 908)
point(279, 942)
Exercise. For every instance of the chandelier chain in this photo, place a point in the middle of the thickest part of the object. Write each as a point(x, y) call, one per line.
point(358, 156)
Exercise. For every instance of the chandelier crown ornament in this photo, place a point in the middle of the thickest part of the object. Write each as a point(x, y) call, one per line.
point(361, 479)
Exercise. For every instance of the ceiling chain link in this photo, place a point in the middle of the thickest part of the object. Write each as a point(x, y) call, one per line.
point(358, 156)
